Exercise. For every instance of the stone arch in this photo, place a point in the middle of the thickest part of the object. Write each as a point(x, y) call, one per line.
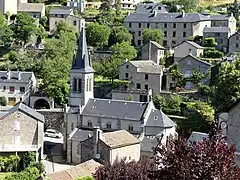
point(41, 104)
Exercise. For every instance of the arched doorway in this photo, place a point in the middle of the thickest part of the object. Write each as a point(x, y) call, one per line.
point(41, 104)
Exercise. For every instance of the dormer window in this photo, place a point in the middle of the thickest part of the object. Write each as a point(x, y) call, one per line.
point(130, 127)
point(155, 118)
point(109, 125)
point(90, 124)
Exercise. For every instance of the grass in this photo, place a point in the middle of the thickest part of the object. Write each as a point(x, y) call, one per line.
point(3, 175)
point(206, 3)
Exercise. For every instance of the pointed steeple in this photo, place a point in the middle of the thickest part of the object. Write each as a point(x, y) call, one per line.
point(82, 60)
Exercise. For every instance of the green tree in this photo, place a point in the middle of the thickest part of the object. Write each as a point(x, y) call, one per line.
point(97, 35)
point(189, 5)
point(119, 34)
point(123, 51)
point(210, 42)
point(5, 32)
point(227, 89)
point(153, 35)
point(197, 76)
point(177, 73)
point(24, 28)
point(3, 101)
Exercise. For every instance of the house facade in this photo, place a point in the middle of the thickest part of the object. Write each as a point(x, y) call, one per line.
point(143, 75)
point(36, 10)
point(176, 27)
point(86, 112)
point(190, 63)
point(152, 51)
point(187, 47)
point(221, 34)
point(234, 43)
point(22, 130)
point(16, 86)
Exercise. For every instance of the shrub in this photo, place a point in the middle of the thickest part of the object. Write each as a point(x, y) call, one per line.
point(205, 90)
point(210, 42)
point(7, 164)
point(85, 178)
point(30, 173)
point(212, 53)
point(3, 101)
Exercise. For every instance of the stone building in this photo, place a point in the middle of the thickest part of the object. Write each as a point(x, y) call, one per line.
point(110, 115)
point(187, 47)
point(148, 7)
point(17, 86)
point(36, 10)
point(234, 43)
point(143, 75)
point(152, 51)
point(21, 130)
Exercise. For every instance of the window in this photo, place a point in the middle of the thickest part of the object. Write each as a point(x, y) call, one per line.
point(79, 85)
point(109, 125)
point(237, 37)
point(146, 76)
point(56, 22)
point(159, 7)
point(143, 98)
point(165, 33)
point(217, 34)
point(174, 25)
point(146, 86)
point(11, 89)
point(74, 23)
point(156, 25)
point(237, 45)
point(165, 25)
point(139, 33)
point(22, 89)
point(35, 16)
point(127, 66)
point(139, 25)
point(184, 25)
point(138, 86)
point(4, 88)
point(190, 51)
point(62, 16)
point(75, 85)
point(89, 124)
point(55, 15)
point(130, 127)
point(184, 34)
point(126, 75)
point(148, 25)
point(164, 43)
point(129, 5)
point(139, 42)
point(174, 34)
point(130, 25)
point(173, 42)
point(72, 126)
point(90, 84)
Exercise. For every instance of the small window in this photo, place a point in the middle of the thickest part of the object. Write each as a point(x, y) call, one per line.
point(109, 125)
point(184, 25)
point(129, 5)
point(74, 23)
point(139, 42)
point(159, 7)
point(237, 45)
point(173, 42)
point(155, 118)
point(22, 89)
point(62, 16)
point(138, 86)
point(165, 33)
point(130, 158)
point(130, 25)
point(139, 33)
point(139, 25)
point(89, 124)
point(165, 25)
point(127, 66)
point(74, 84)
point(146, 87)
point(72, 126)
point(174, 34)
point(11, 89)
point(4, 88)
point(164, 43)
point(146, 76)
point(130, 127)
point(79, 85)
point(184, 34)
point(237, 37)
point(174, 25)
point(148, 25)
point(126, 75)
point(56, 15)
point(217, 34)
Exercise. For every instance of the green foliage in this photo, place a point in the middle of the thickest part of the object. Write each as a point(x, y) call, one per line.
point(176, 72)
point(85, 178)
point(153, 35)
point(29, 158)
point(189, 5)
point(7, 164)
point(205, 90)
point(227, 89)
point(97, 35)
point(210, 42)
point(3, 101)
point(212, 53)
point(123, 51)
point(5, 32)
point(30, 173)
point(197, 76)
point(24, 28)
point(200, 118)
point(119, 34)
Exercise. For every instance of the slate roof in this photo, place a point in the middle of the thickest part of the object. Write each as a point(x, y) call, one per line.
point(195, 58)
point(157, 44)
point(30, 7)
point(216, 29)
point(115, 109)
point(82, 59)
point(80, 134)
point(197, 136)
point(25, 76)
point(192, 43)
point(60, 11)
point(147, 66)
point(219, 17)
point(25, 109)
point(158, 119)
point(148, 143)
point(236, 33)
point(166, 17)
point(148, 7)
point(119, 138)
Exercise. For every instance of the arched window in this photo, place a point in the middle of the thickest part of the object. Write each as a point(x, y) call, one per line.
point(130, 127)
point(109, 125)
point(89, 123)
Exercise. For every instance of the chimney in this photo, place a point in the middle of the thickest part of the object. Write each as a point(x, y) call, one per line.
point(231, 14)
point(97, 135)
point(154, 13)
point(126, 60)
point(8, 74)
point(150, 50)
point(183, 13)
point(19, 75)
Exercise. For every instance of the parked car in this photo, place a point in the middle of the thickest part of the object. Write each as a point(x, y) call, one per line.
point(52, 133)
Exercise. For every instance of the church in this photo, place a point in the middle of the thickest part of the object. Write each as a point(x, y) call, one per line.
point(85, 113)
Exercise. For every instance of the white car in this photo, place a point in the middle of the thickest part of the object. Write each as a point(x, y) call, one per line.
point(52, 133)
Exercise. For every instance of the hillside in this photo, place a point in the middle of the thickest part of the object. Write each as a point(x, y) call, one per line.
point(206, 3)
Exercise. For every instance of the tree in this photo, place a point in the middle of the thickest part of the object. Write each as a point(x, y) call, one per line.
point(197, 76)
point(123, 51)
point(210, 42)
point(177, 73)
point(226, 88)
point(24, 28)
point(119, 34)
point(153, 35)
point(189, 5)
point(5, 32)
point(3, 101)
point(97, 35)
